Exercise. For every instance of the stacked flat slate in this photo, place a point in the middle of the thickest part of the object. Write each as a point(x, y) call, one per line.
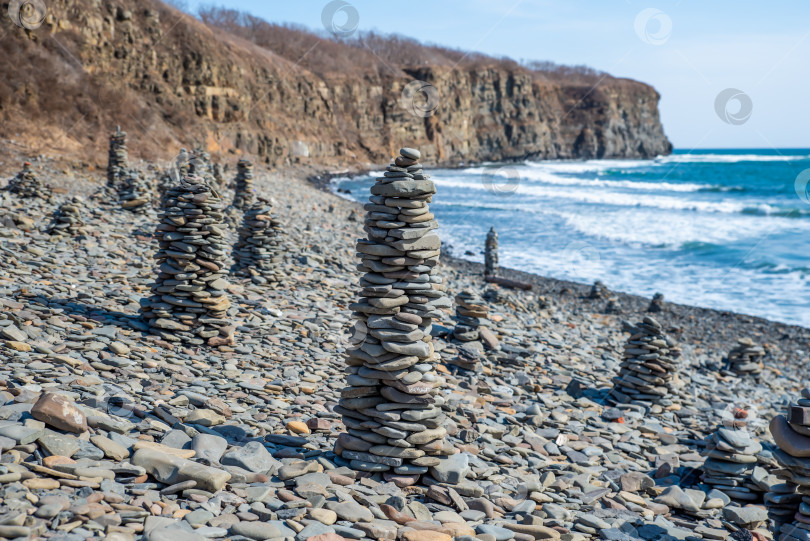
point(164, 183)
point(649, 366)
point(598, 290)
point(189, 303)
point(27, 184)
point(392, 404)
point(731, 464)
point(219, 179)
point(613, 305)
point(135, 193)
point(257, 253)
point(657, 303)
point(746, 358)
point(491, 253)
point(791, 433)
point(472, 313)
point(243, 195)
point(200, 165)
point(67, 220)
point(117, 159)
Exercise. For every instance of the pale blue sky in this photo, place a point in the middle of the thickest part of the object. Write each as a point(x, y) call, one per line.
point(760, 48)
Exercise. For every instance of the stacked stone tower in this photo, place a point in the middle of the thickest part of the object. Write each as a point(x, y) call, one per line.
point(257, 253)
point(117, 158)
point(392, 403)
point(189, 302)
point(491, 253)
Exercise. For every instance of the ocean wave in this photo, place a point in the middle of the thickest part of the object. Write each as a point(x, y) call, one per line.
point(548, 175)
point(603, 197)
point(730, 158)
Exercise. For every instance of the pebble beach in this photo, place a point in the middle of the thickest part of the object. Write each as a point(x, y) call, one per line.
point(109, 430)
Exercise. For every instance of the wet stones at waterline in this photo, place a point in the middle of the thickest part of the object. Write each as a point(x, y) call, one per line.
point(67, 220)
point(391, 405)
point(135, 193)
point(732, 464)
point(491, 253)
point(649, 368)
point(657, 303)
point(27, 184)
point(117, 158)
point(791, 433)
point(189, 302)
point(257, 253)
point(745, 358)
point(243, 195)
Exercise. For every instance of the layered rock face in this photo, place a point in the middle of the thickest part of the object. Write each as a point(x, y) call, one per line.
point(184, 81)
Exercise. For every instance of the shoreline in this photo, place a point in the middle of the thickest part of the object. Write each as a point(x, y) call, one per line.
point(323, 181)
point(685, 321)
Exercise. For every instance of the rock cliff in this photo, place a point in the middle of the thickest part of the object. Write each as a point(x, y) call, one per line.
point(172, 80)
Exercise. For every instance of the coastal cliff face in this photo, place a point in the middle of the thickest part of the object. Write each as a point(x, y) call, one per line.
point(172, 81)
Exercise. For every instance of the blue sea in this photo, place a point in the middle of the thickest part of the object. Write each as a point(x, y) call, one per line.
point(724, 229)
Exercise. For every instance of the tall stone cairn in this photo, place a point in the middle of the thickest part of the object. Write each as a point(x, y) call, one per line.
point(189, 303)
point(135, 194)
point(649, 366)
point(243, 195)
point(67, 220)
point(391, 405)
point(257, 253)
point(27, 184)
point(791, 433)
point(117, 159)
point(745, 358)
point(491, 253)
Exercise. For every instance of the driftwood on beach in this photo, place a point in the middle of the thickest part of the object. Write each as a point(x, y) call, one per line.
point(506, 282)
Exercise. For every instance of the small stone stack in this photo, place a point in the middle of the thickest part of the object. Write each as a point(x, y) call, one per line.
point(257, 253)
point(472, 313)
point(182, 164)
point(27, 184)
point(243, 195)
point(791, 434)
point(189, 303)
point(136, 193)
point(731, 464)
point(218, 177)
point(117, 159)
point(598, 290)
point(491, 253)
point(745, 358)
point(613, 305)
point(657, 303)
point(392, 403)
point(67, 220)
point(649, 366)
